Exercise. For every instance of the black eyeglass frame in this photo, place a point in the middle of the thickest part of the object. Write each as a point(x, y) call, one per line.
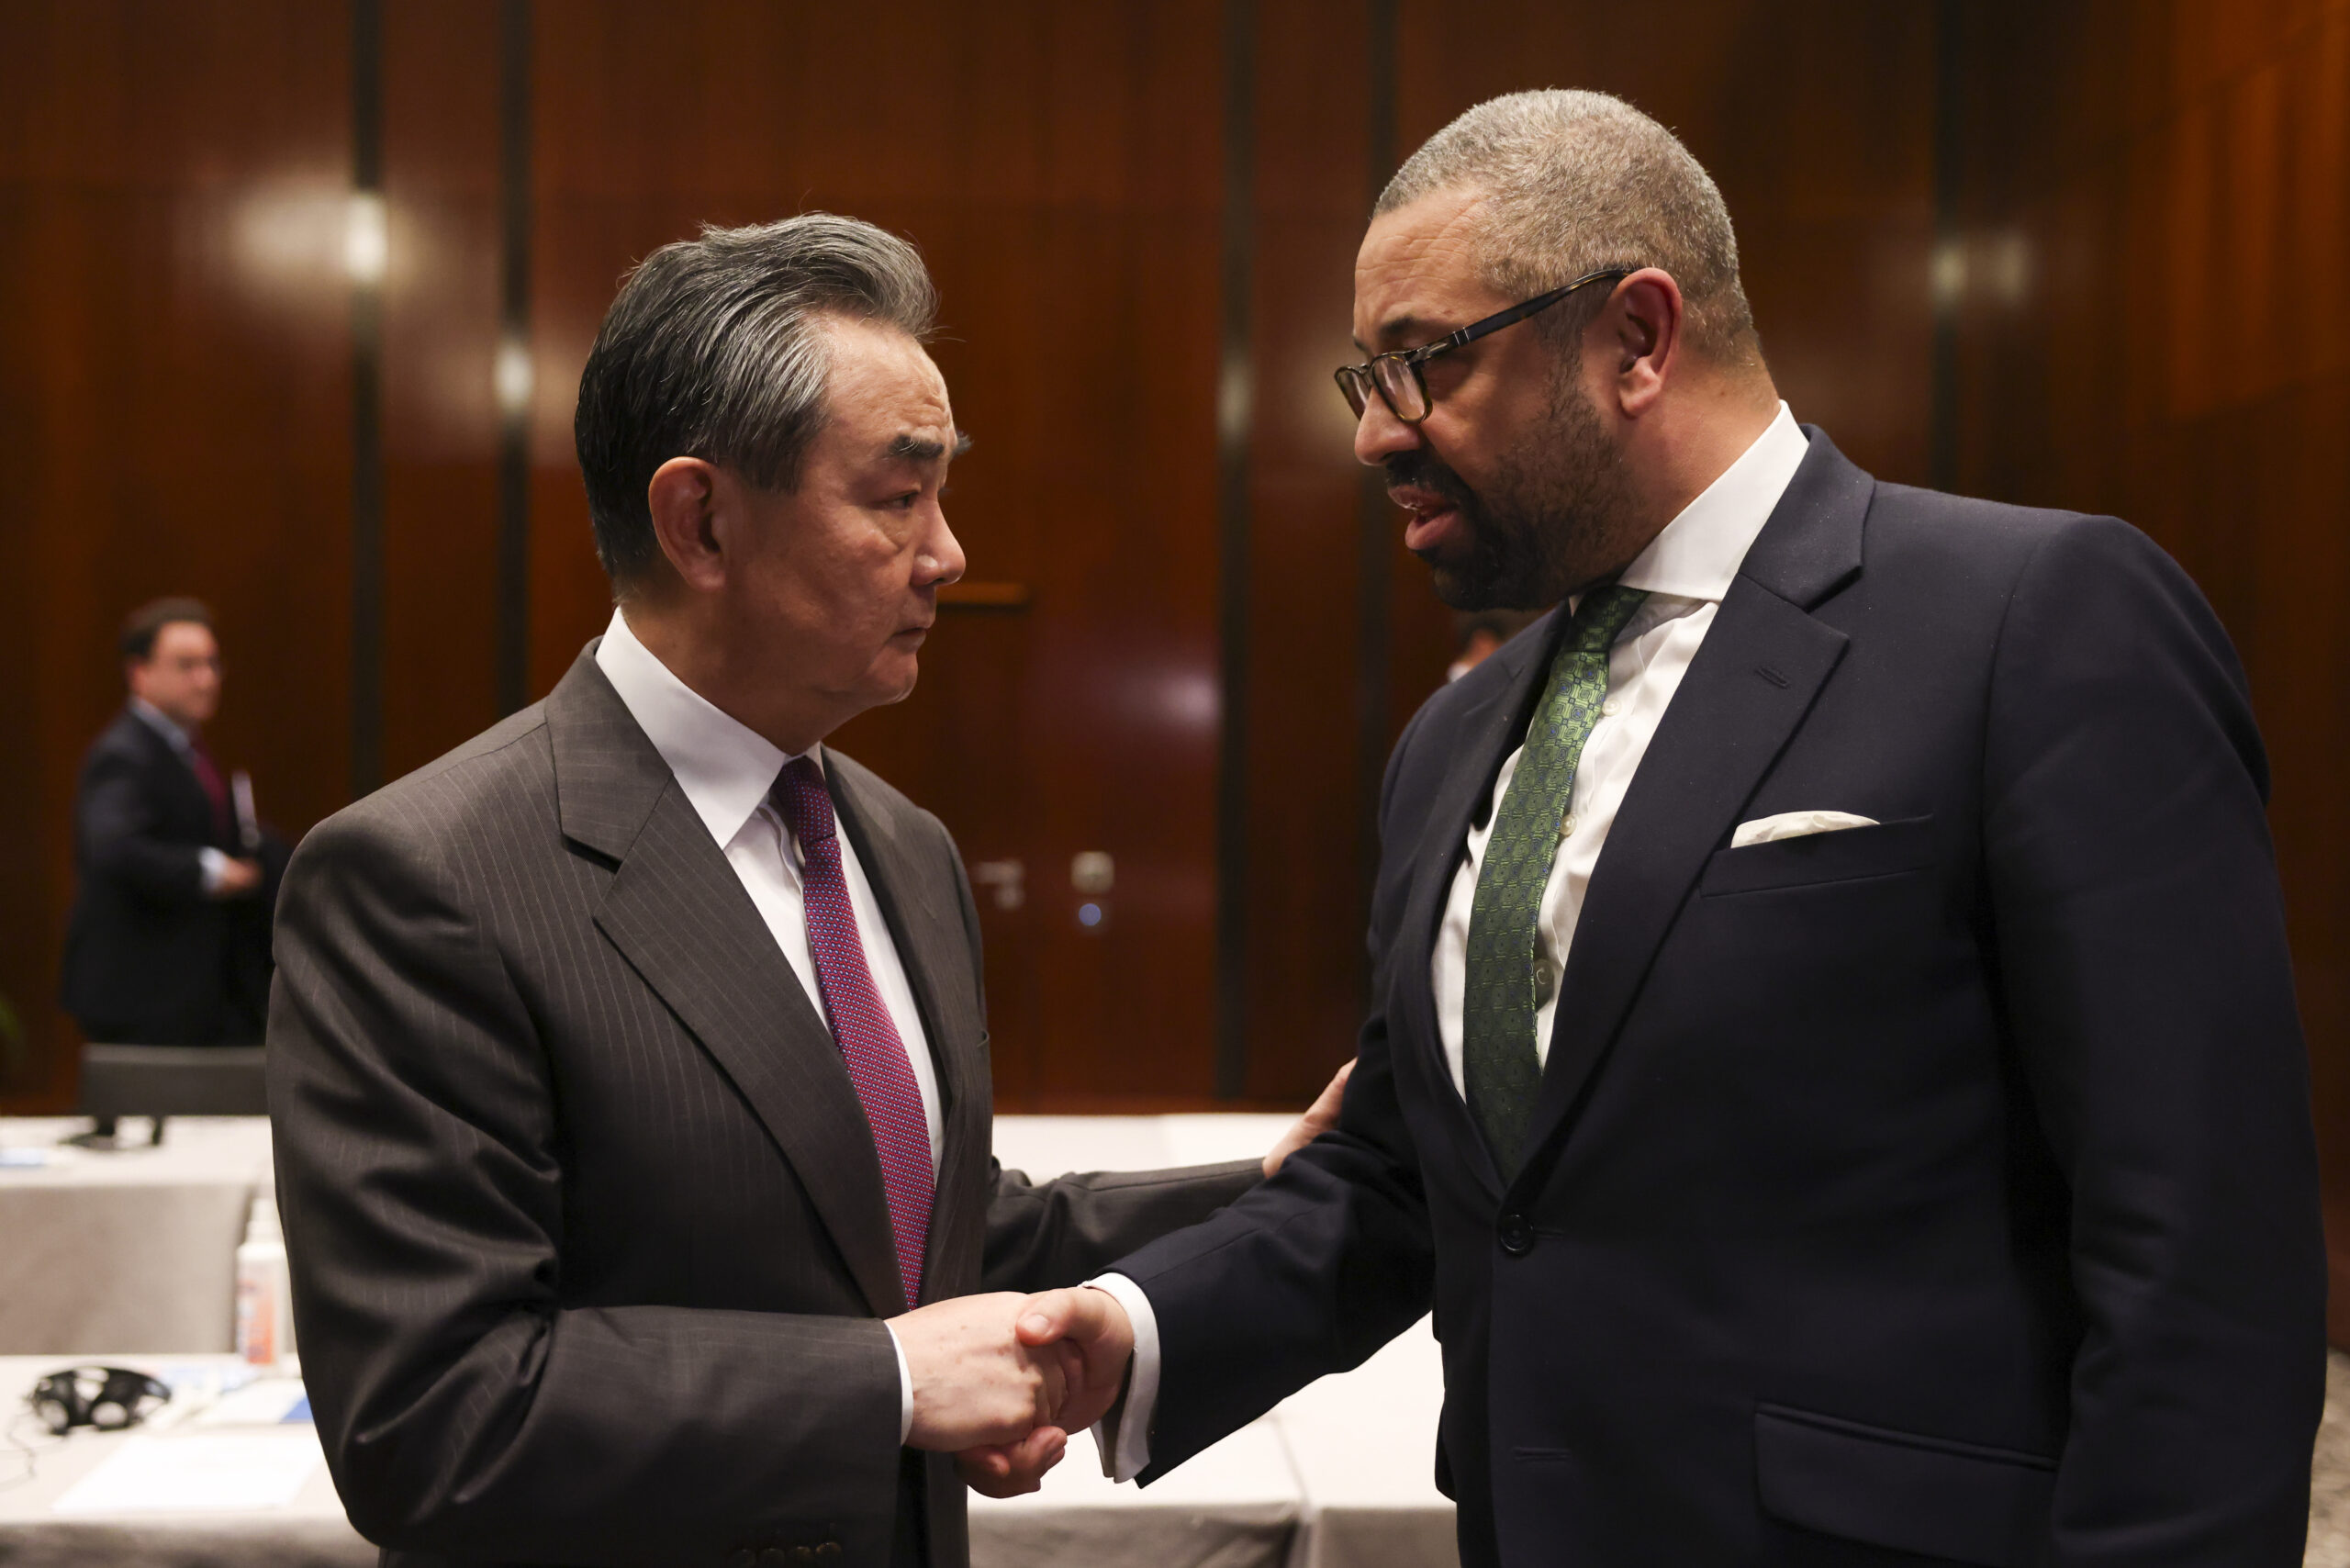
point(1353, 378)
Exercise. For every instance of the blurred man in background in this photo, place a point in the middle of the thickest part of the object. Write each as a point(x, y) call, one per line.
point(1478, 635)
point(169, 941)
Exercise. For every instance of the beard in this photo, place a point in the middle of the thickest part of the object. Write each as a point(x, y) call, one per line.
point(1544, 525)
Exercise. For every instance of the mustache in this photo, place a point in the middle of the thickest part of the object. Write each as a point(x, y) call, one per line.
point(1420, 471)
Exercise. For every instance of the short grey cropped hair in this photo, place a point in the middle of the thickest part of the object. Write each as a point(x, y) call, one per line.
point(1578, 182)
point(714, 349)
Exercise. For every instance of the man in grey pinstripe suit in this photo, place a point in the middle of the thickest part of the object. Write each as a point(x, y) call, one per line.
point(601, 1064)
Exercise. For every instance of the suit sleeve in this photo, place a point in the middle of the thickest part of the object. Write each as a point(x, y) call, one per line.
point(1314, 1269)
point(1045, 1235)
point(2141, 939)
point(119, 842)
point(463, 1407)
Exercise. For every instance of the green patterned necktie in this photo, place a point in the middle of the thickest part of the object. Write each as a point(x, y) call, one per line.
point(1499, 1064)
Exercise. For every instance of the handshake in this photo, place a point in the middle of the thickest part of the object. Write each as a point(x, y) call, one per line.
point(1001, 1381)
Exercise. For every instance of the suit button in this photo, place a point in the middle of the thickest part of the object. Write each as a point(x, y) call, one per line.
point(1518, 1236)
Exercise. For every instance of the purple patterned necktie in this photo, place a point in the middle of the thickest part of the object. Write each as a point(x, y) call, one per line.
point(869, 1040)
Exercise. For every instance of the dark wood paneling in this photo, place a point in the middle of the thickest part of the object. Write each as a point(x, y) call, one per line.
point(441, 416)
point(2158, 214)
point(173, 406)
point(1303, 923)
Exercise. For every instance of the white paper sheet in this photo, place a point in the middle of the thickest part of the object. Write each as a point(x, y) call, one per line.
point(211, 1472)
point(270, 1402)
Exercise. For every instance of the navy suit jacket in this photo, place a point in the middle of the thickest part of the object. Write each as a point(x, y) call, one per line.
point(150, 960)
point(1940, 1190)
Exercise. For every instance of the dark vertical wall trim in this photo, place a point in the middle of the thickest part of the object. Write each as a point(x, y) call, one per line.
point(365, 254)
point(1949, 276)
point(1235, 395)
point(1374, 584)
point(516, 390)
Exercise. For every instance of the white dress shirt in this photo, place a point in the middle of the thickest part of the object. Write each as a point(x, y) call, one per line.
point(725, 769)
point(1685, 570)
point(214, 863)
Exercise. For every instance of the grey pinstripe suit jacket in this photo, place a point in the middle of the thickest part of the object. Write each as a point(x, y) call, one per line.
point(588, 1241)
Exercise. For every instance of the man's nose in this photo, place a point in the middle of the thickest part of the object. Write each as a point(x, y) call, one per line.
point(941, 561)
point(1380, 435)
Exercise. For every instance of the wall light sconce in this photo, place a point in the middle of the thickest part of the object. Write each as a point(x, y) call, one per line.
point(516, 378)
point(366, 243)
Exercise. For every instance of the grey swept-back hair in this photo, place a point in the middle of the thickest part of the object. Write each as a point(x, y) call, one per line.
point(716, 349)
point(1576, 182)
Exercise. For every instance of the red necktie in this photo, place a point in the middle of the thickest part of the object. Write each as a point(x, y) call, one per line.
point(861, 1027)
point(209, 777)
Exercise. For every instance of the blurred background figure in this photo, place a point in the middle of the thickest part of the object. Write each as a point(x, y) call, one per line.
point(1481, 633)
point(169, 940)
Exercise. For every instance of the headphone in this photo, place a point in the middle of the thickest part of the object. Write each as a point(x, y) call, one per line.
point(108, 1399)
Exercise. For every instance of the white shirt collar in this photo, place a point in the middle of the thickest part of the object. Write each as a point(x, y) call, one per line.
point(1698, 553)
point(723, 766)
point(163, 724)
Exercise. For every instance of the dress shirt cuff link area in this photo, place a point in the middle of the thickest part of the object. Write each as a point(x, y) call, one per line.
point(905, 1390)
point(1124, 1436)
point(215, 863)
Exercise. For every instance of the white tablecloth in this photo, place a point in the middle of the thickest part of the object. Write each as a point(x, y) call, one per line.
point(37, 1471)
point(1339, 1477)
point(129, 1250)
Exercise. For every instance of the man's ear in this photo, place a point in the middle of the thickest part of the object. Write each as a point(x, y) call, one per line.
point(684, 497)
point(1643, 324)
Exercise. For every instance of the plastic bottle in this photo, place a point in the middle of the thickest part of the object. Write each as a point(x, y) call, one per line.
point(264, 1298)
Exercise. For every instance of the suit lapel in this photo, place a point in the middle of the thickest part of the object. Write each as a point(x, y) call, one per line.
point(1763, 662)
point(924, 911)
point(1488, 733)
point(677, 914)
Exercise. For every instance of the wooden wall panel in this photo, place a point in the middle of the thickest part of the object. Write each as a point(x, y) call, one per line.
point(174, 415)
point(2158, 214)
point(1304, 965)
point(440, 335)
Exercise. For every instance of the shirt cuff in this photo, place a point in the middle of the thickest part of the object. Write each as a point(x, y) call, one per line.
point(215, 864)
point(1124, 1436)
point(905, 1389)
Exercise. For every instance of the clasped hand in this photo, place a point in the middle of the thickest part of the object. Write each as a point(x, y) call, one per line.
point(1001, 1381)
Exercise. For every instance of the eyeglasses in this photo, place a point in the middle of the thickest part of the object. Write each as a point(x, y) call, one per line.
point(1398, 377)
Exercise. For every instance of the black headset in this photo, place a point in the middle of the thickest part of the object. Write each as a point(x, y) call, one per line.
point(108, 1399)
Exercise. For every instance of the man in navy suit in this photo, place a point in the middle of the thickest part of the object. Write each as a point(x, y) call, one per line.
point(169, 940)
point(1833, 1068)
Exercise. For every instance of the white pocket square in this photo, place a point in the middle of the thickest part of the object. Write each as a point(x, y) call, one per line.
point(1794, 824)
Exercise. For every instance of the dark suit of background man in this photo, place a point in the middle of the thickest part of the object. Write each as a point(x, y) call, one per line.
point(1833, 1065)
point(612, 1055)
point(169, 940)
